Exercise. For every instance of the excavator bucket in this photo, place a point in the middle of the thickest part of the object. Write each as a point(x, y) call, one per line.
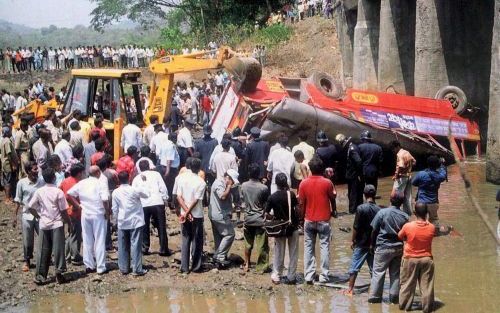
point(246, 72)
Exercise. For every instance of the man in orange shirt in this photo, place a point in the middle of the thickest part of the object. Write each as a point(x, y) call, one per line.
point(417, 265)
point(74, 240)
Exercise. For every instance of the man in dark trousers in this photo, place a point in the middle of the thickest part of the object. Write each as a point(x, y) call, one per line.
point(387, 249)
point(371, 157)
point(328, 153)
point(175, 117)
point(257, 151)
point(361, 235)
point(205, 146)
point(353, 172)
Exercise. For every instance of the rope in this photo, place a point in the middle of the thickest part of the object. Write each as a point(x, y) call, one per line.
point(468, 190)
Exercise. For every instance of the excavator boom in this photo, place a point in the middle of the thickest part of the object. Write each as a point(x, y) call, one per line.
point(245, 71)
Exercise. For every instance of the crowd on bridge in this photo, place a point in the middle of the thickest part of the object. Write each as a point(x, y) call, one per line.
point(64, 185)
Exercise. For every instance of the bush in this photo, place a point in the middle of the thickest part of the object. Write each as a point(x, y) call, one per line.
point(272, 35)
point(226, 34)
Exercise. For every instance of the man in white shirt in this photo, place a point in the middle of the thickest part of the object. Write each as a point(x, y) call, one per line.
point(223, 161)
point(190, 189)
point(131, 135)
point(303, 146)
point(149, 131)
point(129, 217)
point(49, 205)
point(89, 197)
point(280, 161)
point(52, 59)
point(25, 190)
point(185, 141)
point(154, 206)
point(218, 148)
point(63, 149)
point(145, 156)
point(21, 102)
point(168, 160)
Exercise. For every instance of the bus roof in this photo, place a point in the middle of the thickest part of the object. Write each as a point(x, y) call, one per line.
point(106, 73)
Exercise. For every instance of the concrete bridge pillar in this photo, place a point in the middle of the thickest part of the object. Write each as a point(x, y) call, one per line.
point(345, 21)
point(430, 65)
point(493, 140)
point(366, 35)
point(396, 46)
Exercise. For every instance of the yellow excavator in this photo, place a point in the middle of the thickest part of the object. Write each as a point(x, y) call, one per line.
point(118, 96)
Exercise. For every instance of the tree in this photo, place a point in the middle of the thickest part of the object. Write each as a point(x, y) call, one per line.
point(214, 12)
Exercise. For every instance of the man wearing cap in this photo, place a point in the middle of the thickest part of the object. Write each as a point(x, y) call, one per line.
point(327, 153)
point(353, 172)
point(371, 157)
point(205, 146)
point(257, 151)
point(185, 141)
point(219, 212)
point(361, 235)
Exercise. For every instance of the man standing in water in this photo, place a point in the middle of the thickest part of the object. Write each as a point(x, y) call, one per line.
point(388, 249)
point(317, 203)
point(417, 265)
point(361, 235)
point(402, 175)
point(428, 182)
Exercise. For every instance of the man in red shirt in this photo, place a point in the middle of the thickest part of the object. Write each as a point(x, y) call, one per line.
point(74, 240)
point(99, 146)
point(417, 265)
point(317, 202)
point(207, 106)
point(127, 162)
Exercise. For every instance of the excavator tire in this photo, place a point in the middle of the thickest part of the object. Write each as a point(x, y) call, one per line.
point(246, 71)
point(327, 85)
point(455, 96)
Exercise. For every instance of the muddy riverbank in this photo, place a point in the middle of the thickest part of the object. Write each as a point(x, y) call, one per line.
point(467, 271)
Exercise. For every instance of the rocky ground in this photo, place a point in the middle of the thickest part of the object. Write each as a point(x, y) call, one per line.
point(17, 288)
point(313, 47)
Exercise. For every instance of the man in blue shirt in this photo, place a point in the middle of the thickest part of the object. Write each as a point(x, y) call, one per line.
point(428, 182)
point(388, 249)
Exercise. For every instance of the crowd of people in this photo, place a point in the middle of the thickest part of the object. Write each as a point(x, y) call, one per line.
point(301, 9)
point(60, 176)
point(27, 59)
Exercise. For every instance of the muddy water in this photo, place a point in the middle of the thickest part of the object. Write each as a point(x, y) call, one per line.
point(467, 270)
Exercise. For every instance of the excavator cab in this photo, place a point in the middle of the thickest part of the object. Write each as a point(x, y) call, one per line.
point(113, 93)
